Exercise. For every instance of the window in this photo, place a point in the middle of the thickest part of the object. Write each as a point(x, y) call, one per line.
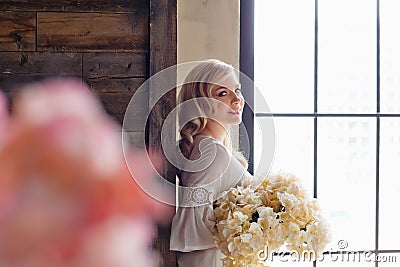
point(330, 73)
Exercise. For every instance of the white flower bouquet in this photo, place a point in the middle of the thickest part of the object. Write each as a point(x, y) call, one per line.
point(253, 223)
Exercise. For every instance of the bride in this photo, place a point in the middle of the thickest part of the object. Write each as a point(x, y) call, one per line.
point(213, 165)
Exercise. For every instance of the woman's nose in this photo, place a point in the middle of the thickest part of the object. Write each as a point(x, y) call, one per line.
point(236, 99)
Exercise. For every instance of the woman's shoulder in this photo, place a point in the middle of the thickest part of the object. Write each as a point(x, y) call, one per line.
point(208, 156)
point(212, 166)
point(206, 138)
point(202, 140)
point(206, 146)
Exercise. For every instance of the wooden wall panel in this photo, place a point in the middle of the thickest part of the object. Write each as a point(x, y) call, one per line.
point(112, 85)
point(116, 95)
point(115, 77)
point(18, 31)
point(116, 104)
point(114, 65)
point(21, 67)
point(93, 32)
point(76, 5)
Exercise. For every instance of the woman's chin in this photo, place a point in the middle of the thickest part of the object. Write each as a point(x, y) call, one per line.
point(236, 121)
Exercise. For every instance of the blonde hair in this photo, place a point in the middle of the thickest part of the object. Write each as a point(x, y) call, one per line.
point(198, 84)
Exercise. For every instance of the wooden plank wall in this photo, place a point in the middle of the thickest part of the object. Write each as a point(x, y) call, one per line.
point(105, 43)
point(114, 46)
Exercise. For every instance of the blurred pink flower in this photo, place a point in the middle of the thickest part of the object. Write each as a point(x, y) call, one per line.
point(3, 119)
point(67, 116)
point(113, 239)
point(65, 189)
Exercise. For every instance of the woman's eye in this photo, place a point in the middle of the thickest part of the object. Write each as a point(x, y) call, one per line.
point(238, 91)
point(223, 93)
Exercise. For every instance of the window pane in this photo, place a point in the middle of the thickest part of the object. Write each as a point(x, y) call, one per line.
point(294, 148)
point(284, 54)
point(347, 56)
point(389, 183)
point(390, 56)
point(346, 179)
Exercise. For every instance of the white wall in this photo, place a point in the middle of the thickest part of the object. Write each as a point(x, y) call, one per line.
point(208, 29)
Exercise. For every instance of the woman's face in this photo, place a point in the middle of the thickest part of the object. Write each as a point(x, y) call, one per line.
point(230, 106)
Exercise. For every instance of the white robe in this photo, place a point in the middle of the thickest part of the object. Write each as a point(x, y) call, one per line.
point(194, 223)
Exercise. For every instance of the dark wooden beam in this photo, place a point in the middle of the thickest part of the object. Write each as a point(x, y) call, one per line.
point(163, 54)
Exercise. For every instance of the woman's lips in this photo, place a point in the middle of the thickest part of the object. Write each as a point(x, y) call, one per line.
point(235, 112)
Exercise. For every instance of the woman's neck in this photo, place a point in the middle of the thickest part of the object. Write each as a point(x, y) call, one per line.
point(215, 130)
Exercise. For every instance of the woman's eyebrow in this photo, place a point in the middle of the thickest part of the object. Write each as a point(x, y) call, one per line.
point(219, 87)
point(237, 86)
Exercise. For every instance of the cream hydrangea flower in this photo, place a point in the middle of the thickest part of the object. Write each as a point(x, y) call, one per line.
point(279, 213)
